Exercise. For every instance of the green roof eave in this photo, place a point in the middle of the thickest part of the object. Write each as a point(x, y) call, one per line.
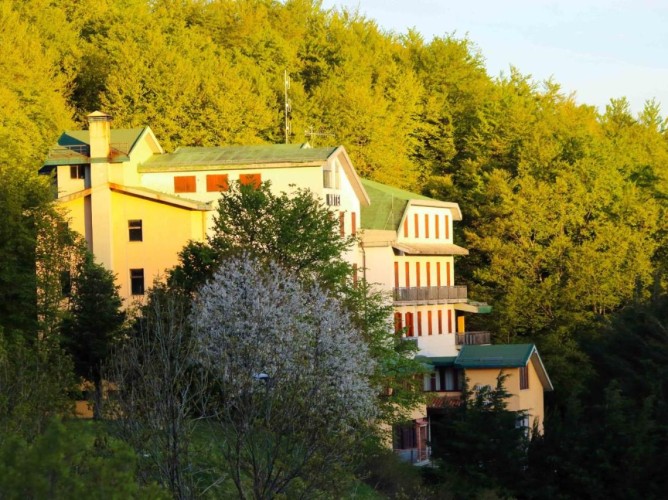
point(503, 356)
point(494, 356)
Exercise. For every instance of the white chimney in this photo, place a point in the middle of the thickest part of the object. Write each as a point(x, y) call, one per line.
point(99, 130)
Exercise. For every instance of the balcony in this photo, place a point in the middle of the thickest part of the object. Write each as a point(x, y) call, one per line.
point(473, 338)
point(430, 295)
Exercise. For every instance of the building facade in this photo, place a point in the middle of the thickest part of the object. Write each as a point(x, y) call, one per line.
point(137, 206)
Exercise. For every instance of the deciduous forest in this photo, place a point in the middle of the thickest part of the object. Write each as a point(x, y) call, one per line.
point(564, 205)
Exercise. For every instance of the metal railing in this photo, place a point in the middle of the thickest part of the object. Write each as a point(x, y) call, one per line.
point(431, 294)
point(413, 455)
point(68, 152)
point(83, 150)
point(473, 338)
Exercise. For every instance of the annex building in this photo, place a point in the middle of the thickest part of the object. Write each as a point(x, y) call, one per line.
point(137, 206)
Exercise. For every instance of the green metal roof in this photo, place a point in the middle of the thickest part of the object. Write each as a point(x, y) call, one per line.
point(192, 158)
point(494, 356)
point(387, 205)
point(436, 361)
point(72, 147)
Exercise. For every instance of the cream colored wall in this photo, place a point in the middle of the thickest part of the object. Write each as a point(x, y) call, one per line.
point(281, 178)
point(380, 260)
point(73, 211)
point(126, 173)
point(488, 376)
point(285, 179)
point(436, 344)
point(530, 400)
point(424, 278)
point(166, 229)
point(431, 213)
point(67, 185)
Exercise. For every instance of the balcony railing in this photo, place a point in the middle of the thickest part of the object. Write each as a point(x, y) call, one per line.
point(82, 151)
point(473, 338)
point(431, 294)
point(413, 455)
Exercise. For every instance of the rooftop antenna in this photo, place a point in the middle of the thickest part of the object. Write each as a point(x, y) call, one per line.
point(311, 133)
point(288, 107)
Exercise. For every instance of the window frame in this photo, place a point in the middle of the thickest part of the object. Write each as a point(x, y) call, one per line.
point(135, 230)
point(77, 172)
point(137, 284)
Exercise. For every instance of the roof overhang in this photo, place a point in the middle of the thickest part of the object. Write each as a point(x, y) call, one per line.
point(377, 237)
point(503, 356)
point(159, 197)
point(351, 173)
point(473, 307)
point(540, 370)
point(430, 248)
point(454, 207)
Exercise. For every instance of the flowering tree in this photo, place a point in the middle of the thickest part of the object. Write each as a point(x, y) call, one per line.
point(291, 375)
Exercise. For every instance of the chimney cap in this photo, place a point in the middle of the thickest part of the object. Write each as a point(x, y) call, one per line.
point(98, 116)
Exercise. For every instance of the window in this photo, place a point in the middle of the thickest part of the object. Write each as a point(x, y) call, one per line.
point(250, 180)
point(436, 226)
point(444, 379)
point(330, 178)
point(417, 225)
point(426, 225)
point(429, 321)
point(333, 200)
point(408, 274)
point(78, 172)
point(417, 274)
point(406, 227)
point(396, 275)
point(342, 223)
point(216, 183)
point(135, 230)
point(419, 323)
point(404, 437)
point(409, 325)
point(397, 323)
point(428, 273)
point(524, 377)
point(440, 322)
point(137, 281)
point(185, 184)
point(447, 227)
point(353, 223)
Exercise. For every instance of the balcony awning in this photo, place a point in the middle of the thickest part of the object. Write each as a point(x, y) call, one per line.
point(474, 307)
point(430, 249)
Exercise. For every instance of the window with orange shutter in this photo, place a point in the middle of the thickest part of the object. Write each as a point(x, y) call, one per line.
point(250, 180)
point(185, 184)
point(217, 182)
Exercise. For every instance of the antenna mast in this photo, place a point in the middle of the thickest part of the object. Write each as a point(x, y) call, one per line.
point(288, 108)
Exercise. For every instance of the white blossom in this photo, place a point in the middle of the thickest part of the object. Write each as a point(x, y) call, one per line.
point(281, 350)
